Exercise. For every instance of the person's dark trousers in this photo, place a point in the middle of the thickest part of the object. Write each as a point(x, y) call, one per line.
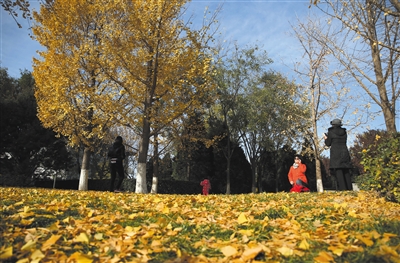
point(300, 182)
point(343, 178)
point(114, 169)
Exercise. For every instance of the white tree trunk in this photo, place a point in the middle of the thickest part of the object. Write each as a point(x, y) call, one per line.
point(83, 180)
point(84, 177)
point(154, 185)
point(320, 187)
point(141, 187)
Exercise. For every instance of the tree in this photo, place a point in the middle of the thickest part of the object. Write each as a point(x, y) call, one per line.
point(25, 145)
point(230, 81)
point(74, 98)
point(284, 114)
point(13, 6)
point(368, 49)
point(161, 66)
point(269, 119)
point(265, 106)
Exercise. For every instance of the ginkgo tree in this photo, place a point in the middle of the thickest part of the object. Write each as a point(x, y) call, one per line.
point(162, 67)
point(102, 68)
point(74, 96)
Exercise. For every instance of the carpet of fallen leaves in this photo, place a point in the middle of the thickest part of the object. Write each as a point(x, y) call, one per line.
point(39, 225)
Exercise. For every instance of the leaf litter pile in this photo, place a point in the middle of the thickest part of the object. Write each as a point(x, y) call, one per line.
point(39, 225)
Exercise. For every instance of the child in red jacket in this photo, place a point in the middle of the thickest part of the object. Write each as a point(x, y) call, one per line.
point(297, 176)
point(206, 186)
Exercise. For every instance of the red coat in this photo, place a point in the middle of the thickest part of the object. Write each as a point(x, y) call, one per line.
point(298, 173)
point(206, 186)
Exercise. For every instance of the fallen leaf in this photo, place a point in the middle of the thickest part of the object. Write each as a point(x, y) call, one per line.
point(366, 240)
point(98, 236)
point(246, 232)
point(80, 258)
point(304, 245)
point(228, 251)
point(29, 245)
point(37, 256)
point(242, 218)
point(6, 253)
point(338, 251)
point(285, 251)
point(251, 253)
point(82, 238)
point(324, 257)
point(51, 241)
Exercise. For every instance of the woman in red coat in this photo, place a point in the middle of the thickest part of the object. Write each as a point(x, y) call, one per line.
point(297, 176)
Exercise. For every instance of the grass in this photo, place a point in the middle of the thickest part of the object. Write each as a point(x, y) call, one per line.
point(78, 226)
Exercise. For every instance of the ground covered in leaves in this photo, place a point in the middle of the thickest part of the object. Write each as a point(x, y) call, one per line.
point(39, 225)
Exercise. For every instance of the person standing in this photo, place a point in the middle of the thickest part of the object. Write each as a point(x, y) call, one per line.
point(116, 153)
point(206, 186)
point(297, 175)
point(340, 163)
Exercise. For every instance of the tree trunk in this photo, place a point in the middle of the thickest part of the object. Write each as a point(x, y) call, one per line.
point(228, 176)
point(141, 186)
point(254, 175)
point(388, 113)
point(320, 186)
point(228, 157)
point(318, 174)
point(83, 179)
point(154, 184)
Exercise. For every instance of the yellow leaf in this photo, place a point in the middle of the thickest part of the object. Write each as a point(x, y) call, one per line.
point(26, 222)
point(132, 216)
point(336, 250)
point(98, 236)
point(165, 210)
point(178, 253)
point(51, 241)
point(156, 243)
point(24, 260)
point(242, 218)
point(148, 234)
point(90, 214)
point(246, 232)
point(389, 251)
point(29, 245)
point(251, 253)
point(389, 235)
point(352, 213)
point(228, 251)
point(304, 245)
point(37, 256)
point(366, 240)
point(317, 223)
point(323, 257)
point(26, 209)
point(374, 234)
point(82, 238)
point(6, 253)
point(80, 258)
point(285, 251)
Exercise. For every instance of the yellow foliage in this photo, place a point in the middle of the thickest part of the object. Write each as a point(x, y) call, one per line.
point(101, 68)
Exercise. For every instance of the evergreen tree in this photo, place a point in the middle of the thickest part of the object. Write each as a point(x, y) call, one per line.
point(24, 144)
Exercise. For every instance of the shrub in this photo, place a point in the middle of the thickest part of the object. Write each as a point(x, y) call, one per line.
point(381, 163)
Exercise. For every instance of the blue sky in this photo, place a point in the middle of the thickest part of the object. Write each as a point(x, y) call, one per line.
point(262, 22)
point(265, 22)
